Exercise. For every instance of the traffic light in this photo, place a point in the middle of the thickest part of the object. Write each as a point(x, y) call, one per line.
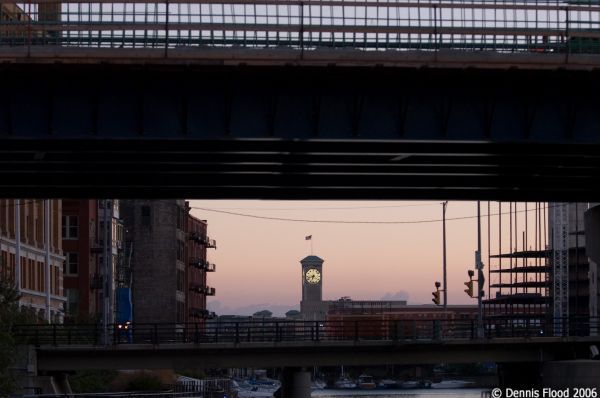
point(469, 289)
point(436, 297)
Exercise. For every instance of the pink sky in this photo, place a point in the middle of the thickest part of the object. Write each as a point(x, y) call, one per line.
point(258, 260)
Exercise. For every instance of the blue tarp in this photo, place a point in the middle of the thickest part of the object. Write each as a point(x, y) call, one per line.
point(124, 307)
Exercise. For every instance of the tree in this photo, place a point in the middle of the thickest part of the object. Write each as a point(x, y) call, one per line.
point(10, 315)
point(263, 314)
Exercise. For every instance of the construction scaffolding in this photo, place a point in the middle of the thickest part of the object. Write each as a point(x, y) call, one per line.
point(538, 267)
point(560, 265)
point(518, 266)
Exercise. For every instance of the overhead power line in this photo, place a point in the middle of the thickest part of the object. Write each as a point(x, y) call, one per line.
point(326, 208)
point(427, 221)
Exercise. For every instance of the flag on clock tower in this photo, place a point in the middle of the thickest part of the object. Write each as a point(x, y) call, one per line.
point(309, 237)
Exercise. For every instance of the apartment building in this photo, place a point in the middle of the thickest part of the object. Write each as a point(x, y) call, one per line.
point(31, 253)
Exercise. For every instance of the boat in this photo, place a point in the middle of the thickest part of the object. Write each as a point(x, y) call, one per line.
point(344, 382)
point(260, 384)
point(411, 384)
point(452, 384)
point(222, 387)
point(246, 390)
point(389, 384)
point(318, 385)
point(416, 384)
point(366, 382)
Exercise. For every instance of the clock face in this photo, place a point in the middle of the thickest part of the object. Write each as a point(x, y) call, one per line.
point(312, 276)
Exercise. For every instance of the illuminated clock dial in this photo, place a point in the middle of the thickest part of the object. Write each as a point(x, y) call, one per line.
point(312, 276)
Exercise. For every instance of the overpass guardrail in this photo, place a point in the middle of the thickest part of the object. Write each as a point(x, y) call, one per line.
point(506, 26)
point(274, 331)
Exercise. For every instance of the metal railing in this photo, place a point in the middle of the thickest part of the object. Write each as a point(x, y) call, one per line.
point(271, 330)
point(142, 394)
point(540, 26)
point(202, 264)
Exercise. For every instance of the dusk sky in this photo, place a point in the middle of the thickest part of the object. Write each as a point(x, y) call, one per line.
point(258, 259)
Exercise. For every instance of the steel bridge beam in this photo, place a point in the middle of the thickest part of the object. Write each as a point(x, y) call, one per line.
point(299, 132)
point(306, 354)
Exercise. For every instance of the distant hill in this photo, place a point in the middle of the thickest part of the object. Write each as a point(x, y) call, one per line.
point(278, 310)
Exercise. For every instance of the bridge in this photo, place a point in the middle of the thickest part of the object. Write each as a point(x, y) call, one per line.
point(316, 99)
point(275, 343)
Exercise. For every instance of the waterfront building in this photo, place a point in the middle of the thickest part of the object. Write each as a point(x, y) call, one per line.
point(85, 249)
point(168, 261)
point(592, 236)
point(197, 268)
point(31, 254)
point(313, 307)
point(81, 248)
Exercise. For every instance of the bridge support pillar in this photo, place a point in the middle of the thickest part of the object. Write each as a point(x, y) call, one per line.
point(519, 375)
point(295, 383)
point(581, 373)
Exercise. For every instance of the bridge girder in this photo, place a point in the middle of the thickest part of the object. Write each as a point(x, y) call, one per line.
point(225, 355)
point(299, 132)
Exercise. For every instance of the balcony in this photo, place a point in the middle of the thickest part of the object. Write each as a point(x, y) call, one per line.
point(205, 290)
point(202, 313)
point(210, 267)
point(203, 265)
point(203, 240)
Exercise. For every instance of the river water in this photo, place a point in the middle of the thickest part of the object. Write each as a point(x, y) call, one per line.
point(409, 393)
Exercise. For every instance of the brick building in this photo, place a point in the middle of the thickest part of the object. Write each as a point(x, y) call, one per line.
point(168, 262)
point(81, 247)
point(31, 253)
point(396, 319)
point(84, 250)
point(197, 268)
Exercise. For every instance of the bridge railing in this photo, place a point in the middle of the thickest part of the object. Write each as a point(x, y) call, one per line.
point(280, 330)
point(539, 26)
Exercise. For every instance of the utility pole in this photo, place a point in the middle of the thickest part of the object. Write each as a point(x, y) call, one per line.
point(105, 273)
point(444, 205)
point(47, 252)
point(480, 278)
point(18, 246)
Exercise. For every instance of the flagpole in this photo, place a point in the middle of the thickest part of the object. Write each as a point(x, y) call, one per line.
point(309, 237)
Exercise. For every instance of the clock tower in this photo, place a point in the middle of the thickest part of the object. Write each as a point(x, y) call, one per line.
point(312, 305)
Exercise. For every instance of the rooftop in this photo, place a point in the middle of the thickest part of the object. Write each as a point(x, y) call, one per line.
point(312, 259)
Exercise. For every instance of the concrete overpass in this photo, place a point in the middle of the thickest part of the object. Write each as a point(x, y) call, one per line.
point(302, 100)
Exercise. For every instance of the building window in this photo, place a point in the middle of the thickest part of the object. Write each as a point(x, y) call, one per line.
point(7, 269)
point(180, 250)
point(72, 301)
point(180, 312)
point(119, 235)
point(41, 279)
point(146, 216)
point(71, 264)
point(181, 219)
point(54, 287)
point(180, 280)
point(70, 227)
point(31, 275)
point(24, 272)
